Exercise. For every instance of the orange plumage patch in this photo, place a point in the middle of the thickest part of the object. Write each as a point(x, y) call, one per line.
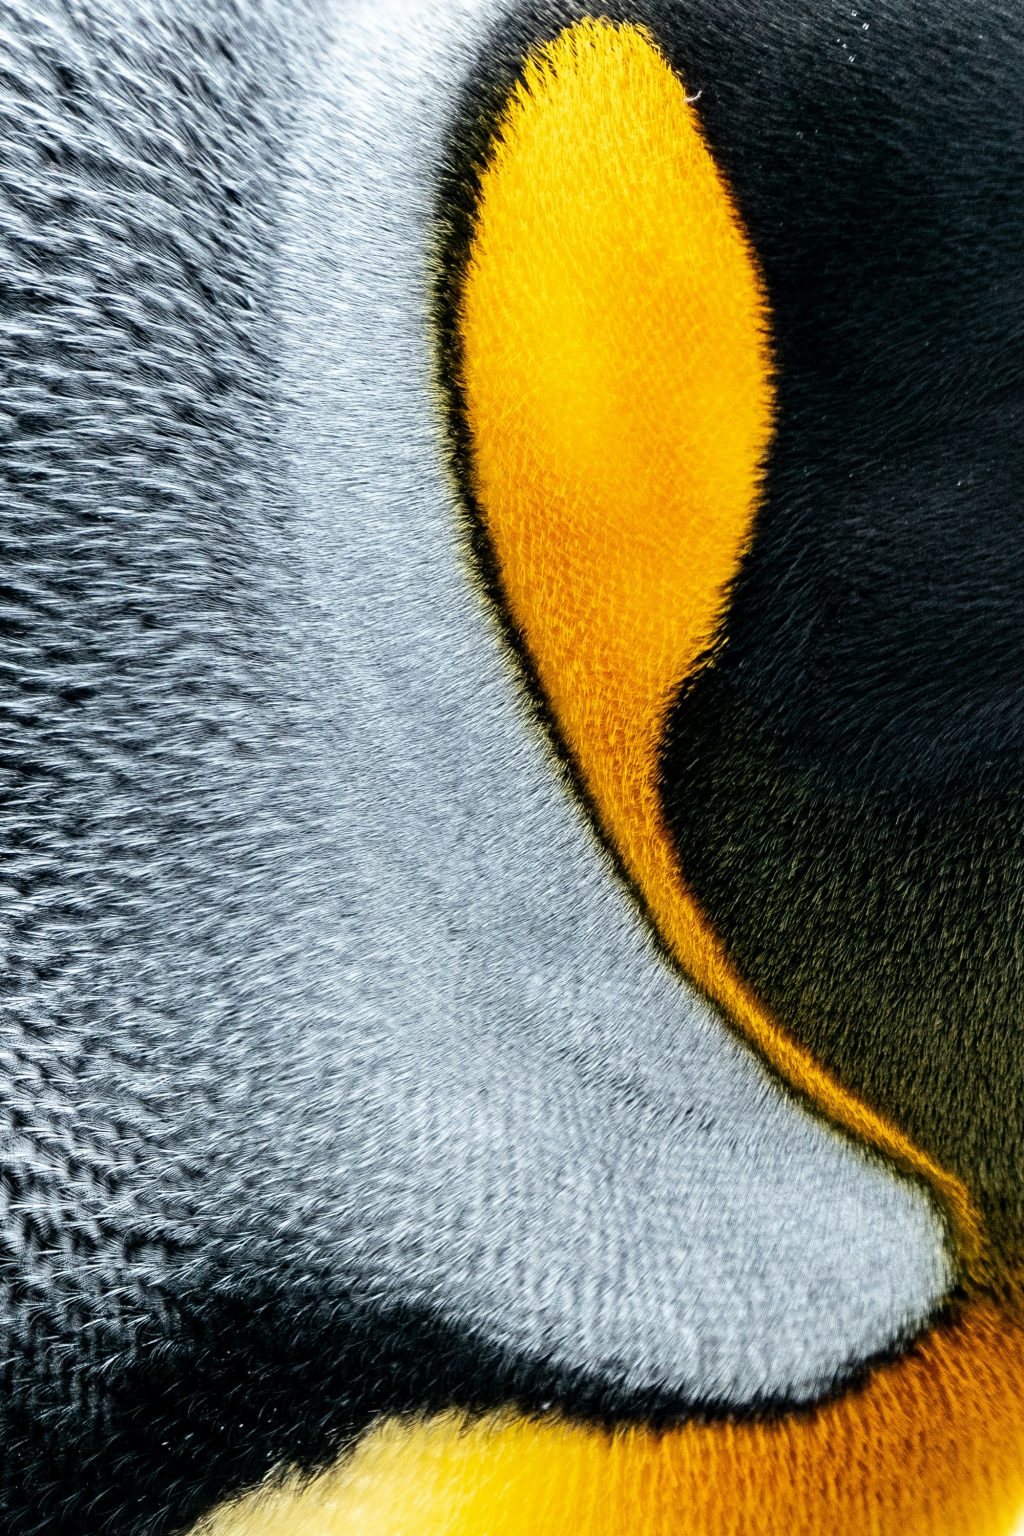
point(932, 1446)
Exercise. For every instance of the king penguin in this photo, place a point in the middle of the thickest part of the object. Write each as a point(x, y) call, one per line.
point(512, 771)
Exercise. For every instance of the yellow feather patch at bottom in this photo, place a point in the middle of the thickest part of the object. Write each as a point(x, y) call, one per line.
point(931, 1446)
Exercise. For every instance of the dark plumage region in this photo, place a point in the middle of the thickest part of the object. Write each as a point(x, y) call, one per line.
point(203, 1396)
point(846, 780)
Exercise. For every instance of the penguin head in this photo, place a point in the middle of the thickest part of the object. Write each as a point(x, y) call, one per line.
point(511, 768)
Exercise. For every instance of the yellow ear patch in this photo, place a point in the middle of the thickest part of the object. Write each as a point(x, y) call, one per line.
point(931, 1447)
point(617, 388)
